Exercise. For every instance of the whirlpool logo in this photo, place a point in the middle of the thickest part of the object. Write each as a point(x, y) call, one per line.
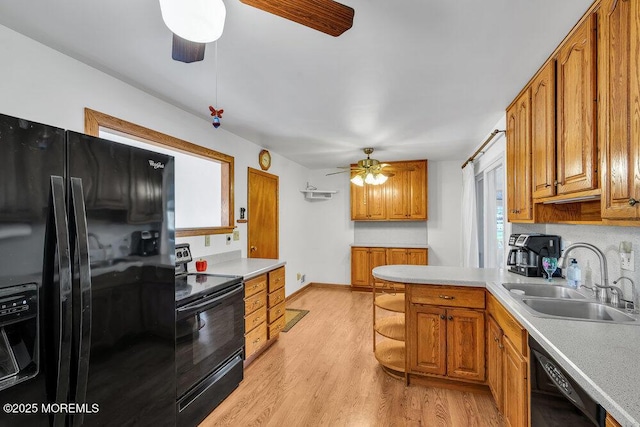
point(156, 165)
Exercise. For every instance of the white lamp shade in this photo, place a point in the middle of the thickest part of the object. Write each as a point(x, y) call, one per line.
point(381, 179)
point(357, 180)
point(199, 21)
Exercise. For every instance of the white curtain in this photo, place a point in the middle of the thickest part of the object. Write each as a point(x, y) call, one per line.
point(470, 256)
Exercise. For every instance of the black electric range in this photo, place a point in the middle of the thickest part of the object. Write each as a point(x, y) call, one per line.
point(209, 339)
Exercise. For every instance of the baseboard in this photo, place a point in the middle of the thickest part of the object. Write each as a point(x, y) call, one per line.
point(310, 285)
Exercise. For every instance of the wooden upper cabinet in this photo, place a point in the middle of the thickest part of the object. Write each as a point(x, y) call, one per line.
point(368, 202)
point(407, 191)
point(543, 132)
point(519, 159)
point(402, 197)
point(619, 118)
point(577, 154)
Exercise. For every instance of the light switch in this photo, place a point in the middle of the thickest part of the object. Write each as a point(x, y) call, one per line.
point(236, 234)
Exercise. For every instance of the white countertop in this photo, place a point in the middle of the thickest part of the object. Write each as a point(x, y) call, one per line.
point(245, 267)
point(601, 357)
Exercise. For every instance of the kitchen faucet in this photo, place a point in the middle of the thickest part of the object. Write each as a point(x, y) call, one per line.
point(602, 295)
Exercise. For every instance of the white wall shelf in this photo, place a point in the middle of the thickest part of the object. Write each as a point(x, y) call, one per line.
point(318, 194)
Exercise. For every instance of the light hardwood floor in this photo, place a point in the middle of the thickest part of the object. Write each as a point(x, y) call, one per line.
point(323, 373)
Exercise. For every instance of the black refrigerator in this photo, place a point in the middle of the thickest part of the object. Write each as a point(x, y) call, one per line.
point(87, 289)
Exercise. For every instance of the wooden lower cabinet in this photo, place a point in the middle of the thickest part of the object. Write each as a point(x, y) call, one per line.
point(446, 340)
point(264, 298)
point(611, 422)
point(507, 364)
point(365, 259)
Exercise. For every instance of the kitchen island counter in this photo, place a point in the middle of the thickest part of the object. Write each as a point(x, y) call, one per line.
point(599, 356)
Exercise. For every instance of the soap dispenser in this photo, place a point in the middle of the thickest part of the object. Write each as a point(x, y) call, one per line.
point(574, 274)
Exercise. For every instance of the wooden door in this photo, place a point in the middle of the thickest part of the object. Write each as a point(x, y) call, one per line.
point(397, 194)
point(262, 214)
point(417, 191)
point(427, 342)
point(494, 361)
point(465, 344)
point(377, 258)
point(358, 202)
point(397, 256)
point(360, 272)
point(516, 403)
point(576, 109)
point(543, 132)
point(417, 256)
point(519, 159)
point(376, 204)
point(619, 86)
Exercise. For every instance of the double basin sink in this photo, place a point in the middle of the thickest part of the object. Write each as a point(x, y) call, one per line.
point(564, 303)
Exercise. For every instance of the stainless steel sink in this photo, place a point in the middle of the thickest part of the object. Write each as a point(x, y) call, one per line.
point(583, 310)
point(547, 291)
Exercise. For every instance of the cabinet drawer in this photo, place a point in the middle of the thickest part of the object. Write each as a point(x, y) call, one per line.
point(255, 285)
point(276, 327)
point(276, 279)
point(276, 312)
point(255, 302)
point(254, 319)
point(510, 326)
point(449, 296)
point(255, 339)
point(276, 297)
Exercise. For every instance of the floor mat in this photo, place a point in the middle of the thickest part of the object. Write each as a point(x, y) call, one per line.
point(293, 316)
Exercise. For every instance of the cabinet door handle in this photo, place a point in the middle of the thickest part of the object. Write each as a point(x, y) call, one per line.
point(450, 317)
point(446, 297)
point(442, 316)
point(632, 202)
point(253, 248)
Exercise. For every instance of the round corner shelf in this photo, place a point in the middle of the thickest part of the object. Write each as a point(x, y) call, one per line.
point(390, 354)
point(391, 302)
point(391, 327)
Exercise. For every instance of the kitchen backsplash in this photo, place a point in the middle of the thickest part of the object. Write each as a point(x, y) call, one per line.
point(606, 238)
point(384, 232)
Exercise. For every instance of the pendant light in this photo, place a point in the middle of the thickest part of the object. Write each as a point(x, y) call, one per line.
point(200, 21)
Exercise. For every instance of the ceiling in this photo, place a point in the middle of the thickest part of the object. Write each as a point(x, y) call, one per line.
point(413, 78)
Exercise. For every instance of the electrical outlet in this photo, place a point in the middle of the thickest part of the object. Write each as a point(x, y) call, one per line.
point(298, 276)
point(228, 240)
point(236, 234)
point(207, 240)
point(626, 261)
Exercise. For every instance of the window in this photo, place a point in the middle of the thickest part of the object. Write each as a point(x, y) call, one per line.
point(490, 205)
point(199, 171)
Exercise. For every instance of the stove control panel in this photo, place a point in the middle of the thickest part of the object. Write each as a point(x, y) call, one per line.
point(183, 254)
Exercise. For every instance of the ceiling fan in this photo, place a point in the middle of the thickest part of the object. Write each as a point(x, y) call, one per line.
point(327, 16)
point(368, 171)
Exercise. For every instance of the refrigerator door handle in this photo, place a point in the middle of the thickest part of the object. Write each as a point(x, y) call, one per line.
point(57, 222)
point(79, 223)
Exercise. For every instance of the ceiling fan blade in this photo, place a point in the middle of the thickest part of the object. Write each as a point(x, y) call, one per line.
point(187, 51)
point(327, 16)
point(335, 173)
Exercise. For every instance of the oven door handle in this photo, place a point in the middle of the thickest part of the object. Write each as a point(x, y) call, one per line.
point(201, 306)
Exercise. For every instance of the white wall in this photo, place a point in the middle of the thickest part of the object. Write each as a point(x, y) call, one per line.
point(43, 85)
point(40, 84)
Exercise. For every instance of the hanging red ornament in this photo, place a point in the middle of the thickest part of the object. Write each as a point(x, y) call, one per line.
point(217, 115)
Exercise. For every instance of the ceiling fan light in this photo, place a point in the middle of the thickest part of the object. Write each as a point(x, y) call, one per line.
point(200, 21)
point(381, 179)
point(370, 179)
point(357, 180)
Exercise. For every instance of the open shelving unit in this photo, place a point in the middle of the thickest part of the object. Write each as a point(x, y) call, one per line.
point(389, 328)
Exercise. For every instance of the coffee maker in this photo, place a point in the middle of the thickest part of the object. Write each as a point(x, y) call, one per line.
point(525, 257)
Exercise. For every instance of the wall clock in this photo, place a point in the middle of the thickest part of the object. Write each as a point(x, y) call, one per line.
point(265, 160)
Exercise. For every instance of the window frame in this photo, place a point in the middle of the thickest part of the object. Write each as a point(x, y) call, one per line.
point(94, 120)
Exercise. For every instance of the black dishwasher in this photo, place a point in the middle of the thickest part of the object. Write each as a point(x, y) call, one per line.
point(556, 399)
